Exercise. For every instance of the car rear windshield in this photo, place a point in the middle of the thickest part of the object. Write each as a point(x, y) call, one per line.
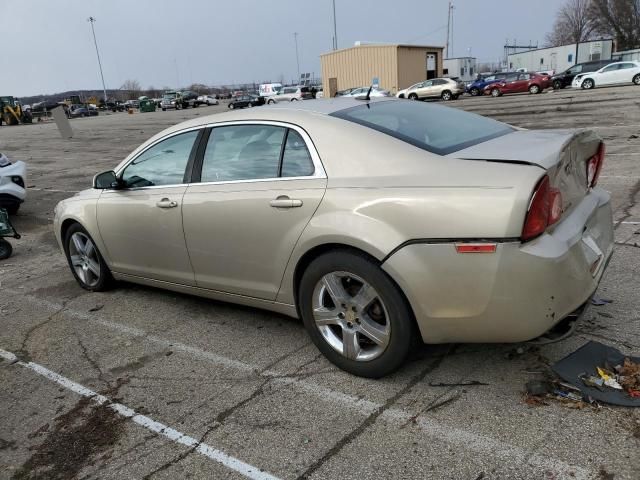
point(435, 128)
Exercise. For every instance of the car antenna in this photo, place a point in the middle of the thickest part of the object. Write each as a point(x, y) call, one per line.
point(368, 97)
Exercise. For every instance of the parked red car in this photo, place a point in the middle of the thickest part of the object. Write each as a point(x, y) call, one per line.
point(519, 82)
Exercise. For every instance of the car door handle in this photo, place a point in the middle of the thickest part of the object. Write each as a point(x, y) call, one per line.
point(285, 202)
point(166, 203)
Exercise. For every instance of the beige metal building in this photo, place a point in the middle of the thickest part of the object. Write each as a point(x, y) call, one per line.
point(390, 66)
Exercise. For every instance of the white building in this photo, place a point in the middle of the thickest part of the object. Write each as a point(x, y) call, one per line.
point(560, 58)
point(463, 67)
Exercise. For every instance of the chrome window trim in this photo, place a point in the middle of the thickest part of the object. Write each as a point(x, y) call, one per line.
point(318, 168)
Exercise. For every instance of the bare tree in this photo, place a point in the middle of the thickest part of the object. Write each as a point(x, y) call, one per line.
point(619, 19)
point(132, 88)
point(152, 92)
point(574, 23)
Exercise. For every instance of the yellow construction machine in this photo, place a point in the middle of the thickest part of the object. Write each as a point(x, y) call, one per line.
point(12, 113)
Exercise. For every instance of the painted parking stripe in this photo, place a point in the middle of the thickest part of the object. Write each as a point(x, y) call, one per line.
point(228, 461)
point(467, 439)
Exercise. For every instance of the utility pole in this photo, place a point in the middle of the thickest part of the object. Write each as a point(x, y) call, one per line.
point(446, 55)
point(295, 37)
point(92, 20)
point(335, 29)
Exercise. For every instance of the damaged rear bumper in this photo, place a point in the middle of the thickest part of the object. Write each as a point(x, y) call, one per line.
point(515, 294)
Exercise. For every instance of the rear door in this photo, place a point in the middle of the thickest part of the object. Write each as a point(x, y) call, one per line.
point(255, 190)
point(608, 75)
point(625, 73)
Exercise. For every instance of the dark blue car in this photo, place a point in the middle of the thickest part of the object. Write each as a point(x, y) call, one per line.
point(477, 87)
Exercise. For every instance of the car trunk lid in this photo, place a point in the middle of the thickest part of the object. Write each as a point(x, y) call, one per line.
point(563, 154)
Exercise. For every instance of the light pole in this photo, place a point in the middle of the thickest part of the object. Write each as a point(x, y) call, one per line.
point(295, 37)
point(335, 30)
point(92, 20)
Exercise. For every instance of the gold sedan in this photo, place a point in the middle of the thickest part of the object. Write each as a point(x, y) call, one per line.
point(376, 222)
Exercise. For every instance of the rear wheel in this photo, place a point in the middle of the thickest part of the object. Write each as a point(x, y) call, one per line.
point(588, 84)
point(557, 84)
point(495, 93)
point(86, 262)
point(355, 314)
point(446, 95)
point(270, 102)
point(413, 96)
point(232, 106)
point(636, 79)
point(474, 92)
point(534, 89)
point(5, 249)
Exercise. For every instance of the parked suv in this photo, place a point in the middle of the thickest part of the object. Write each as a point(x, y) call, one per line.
point(291, 94)
point(565, 78)
point(444, 88)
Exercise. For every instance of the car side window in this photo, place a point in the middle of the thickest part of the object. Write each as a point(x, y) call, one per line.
point(611, 68)
point(624, 66)
point(163, 164)
point(427, 84)
point(242, 152)
point(296, 161)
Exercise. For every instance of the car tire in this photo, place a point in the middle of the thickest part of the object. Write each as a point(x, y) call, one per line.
point(534, 89)
point(85, 260)
point(385, 317)
point(455, 97)
point(413, 96)
point(588, 84)
point(446, 96)
point(636, 79)
point(474, 92)
point(249, 105)
point(12, 209)
point(557, 85)
point(5, 249)
point(164, 109)
point(495, 93)
point(294, 99)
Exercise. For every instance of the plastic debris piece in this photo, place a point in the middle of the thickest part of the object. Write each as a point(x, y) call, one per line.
point(569, 395)
point(634, 393)
point(603, 374)
point(600, 301)
point(613, 383)
point(593, 381)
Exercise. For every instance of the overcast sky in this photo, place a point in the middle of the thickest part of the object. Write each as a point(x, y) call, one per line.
point(47, 45)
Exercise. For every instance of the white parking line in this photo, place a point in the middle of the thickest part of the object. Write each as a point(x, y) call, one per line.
point(464, 438)
point(219, 456)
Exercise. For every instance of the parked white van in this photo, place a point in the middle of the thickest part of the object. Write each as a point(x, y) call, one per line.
point(269, 89)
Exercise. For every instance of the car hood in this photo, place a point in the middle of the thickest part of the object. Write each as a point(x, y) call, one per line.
point(533, 147)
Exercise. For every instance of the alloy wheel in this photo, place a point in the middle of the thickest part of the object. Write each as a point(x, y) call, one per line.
point(351, 316)
point(84, 259)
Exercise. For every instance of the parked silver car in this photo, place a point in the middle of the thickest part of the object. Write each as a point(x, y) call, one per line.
point(443, 88)
point(377, 222)
point(291, 94)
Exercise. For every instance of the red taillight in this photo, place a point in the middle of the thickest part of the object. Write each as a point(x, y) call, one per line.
point(594, 166)
point(545, 209)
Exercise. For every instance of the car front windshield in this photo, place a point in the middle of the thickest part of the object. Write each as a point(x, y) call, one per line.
point(435, 128)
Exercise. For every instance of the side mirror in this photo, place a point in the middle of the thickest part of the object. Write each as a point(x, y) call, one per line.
point(106, 180)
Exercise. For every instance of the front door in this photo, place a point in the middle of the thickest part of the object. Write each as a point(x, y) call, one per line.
point(141, 224)
point(608, 75)
point(260, 185)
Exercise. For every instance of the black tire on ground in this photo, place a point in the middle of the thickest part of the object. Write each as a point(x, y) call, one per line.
point(105, 280)
point(164, 109)
point(12, 209)
point(455, 97)
point(636, 79)
point(403, 333)
point(232, 106)
point(534, 89)
point(446, 95)
point(588, 84)
point(557, 85)
point(5, 249)
point(495, 93)
point(474, 92)
point(413, 96)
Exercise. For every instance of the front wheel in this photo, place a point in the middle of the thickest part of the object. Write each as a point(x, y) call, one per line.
point(495, 93)
point(446, 95)
point(413, 96)
point(355, 314)
point(474, 92)
point(86, 262)
point(232, 106)
point(636, 79)
point(557, 85)
point(588, 84)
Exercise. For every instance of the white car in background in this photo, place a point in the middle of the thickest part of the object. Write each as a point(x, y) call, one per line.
point(361, 92)
point(207, 100)
point(13, 181)
point(618, 73)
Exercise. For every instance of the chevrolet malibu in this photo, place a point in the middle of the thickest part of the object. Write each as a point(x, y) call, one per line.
point(378, 223)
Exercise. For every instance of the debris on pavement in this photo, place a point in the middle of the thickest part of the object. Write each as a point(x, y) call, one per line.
point(471, 383)
point(603, 374)
point(598, 302)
